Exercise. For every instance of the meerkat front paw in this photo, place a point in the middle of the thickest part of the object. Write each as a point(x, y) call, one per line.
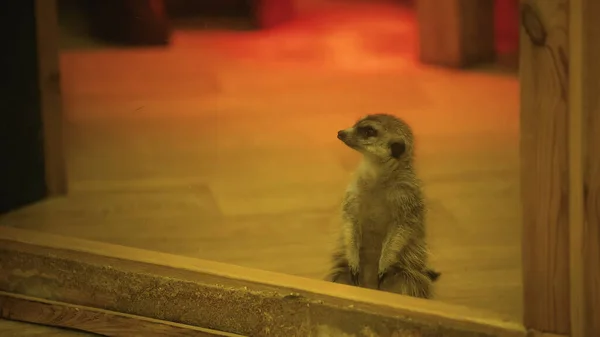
point(355, 275)
point(381, 277)
point(354, 266)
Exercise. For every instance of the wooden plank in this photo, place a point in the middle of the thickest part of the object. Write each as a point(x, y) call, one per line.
point(218, 296)
point(455, 33)
point(585, 167)
point(544, 164)
point(51, 100)
point(576, 202)
point(103, 322)
point(591, 231)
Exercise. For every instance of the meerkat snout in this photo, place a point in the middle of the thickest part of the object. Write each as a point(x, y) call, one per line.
point(341, 135)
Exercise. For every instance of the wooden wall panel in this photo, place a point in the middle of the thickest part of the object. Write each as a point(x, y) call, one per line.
point(545, 164)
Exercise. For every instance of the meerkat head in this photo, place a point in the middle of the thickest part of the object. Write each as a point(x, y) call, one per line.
point(380, 137)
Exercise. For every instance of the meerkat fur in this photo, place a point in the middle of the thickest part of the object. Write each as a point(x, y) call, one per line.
point(382, 239)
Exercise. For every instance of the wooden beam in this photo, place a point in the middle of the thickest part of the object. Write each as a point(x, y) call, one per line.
point(576, 202)
point(585, 167)
point(51, 99)
point(218, 296)
point(455, 33)
point(544, 164)
point(103, 322)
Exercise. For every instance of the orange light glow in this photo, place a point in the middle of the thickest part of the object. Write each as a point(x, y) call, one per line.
point(346, 36)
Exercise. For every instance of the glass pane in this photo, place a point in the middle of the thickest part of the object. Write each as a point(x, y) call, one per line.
point(235, 131)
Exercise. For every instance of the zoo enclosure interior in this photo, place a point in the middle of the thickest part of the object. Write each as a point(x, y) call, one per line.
point(223, 142)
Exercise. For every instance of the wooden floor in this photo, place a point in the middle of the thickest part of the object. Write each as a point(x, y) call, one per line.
point(223, 147)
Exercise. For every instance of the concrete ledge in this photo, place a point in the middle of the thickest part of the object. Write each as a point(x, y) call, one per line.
point(218, 296)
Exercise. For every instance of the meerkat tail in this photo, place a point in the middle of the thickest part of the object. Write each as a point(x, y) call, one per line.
point(433, 274)
point(340, 271)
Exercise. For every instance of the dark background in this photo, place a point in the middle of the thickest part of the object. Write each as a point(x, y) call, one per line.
point(22, 172)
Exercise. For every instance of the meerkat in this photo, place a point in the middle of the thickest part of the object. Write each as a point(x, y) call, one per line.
point(382, 239)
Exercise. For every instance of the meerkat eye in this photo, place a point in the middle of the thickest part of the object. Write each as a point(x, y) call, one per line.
point(367, 131)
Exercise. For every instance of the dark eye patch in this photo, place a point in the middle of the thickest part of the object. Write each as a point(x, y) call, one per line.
point(366, 131)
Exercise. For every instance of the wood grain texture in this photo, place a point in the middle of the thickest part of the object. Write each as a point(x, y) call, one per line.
point(455, 33)
point(10, 328)
point(577, 89)
point(544, 164)
point(103, 322)
point(585, 128)
point(51, 103)
point(591, 231)
point(218, 296)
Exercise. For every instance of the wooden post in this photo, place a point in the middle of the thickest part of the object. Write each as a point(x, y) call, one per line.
point(545, 164)
point(560, 120)
point(31, 150)
point(584, 127)
point(455, 33)
point(51, 98)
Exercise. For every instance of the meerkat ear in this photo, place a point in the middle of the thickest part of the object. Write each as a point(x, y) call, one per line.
point(397, 149)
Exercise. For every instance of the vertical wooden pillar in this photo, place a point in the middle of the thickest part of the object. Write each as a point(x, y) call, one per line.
point(584, 124)
point(31, 149)
point(545, 164)
point(455, 33)
point(50, 95)
point(590, 249)
point(560, 121)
